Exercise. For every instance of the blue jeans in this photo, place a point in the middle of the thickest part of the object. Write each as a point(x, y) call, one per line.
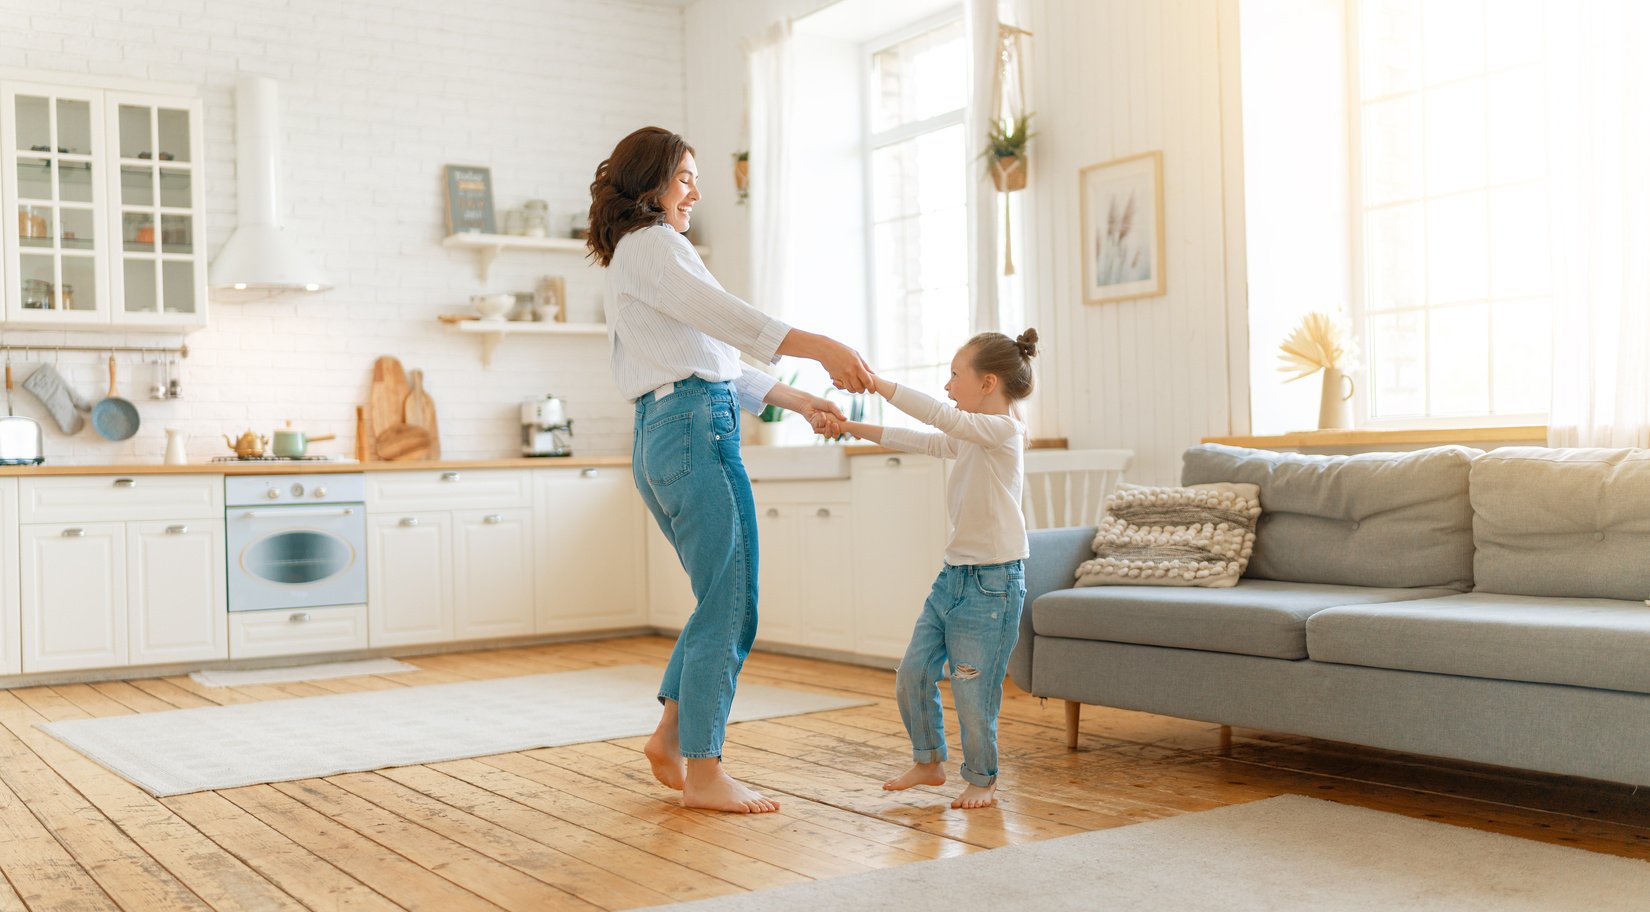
point(686, 463)
point(972, 618)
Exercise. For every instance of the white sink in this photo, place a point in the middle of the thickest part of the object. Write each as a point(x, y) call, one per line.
point(795, 463)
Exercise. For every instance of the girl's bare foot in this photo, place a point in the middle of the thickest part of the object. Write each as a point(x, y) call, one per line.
point(664, 750)
point(976, 796)
point(918, 774)
point(712, 789)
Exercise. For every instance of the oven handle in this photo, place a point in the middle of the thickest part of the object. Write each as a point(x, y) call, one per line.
point(297, 511)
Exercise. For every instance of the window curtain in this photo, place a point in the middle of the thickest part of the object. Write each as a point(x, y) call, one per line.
point(770, 80)
point(1599, 104)
point(980, 27)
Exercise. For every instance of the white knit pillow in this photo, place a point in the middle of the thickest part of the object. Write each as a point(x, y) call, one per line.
point(1201, 535)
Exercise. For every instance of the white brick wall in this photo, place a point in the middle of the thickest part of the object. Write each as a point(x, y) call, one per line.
point(375, 97)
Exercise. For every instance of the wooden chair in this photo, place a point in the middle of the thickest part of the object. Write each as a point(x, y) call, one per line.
point(1069, 487)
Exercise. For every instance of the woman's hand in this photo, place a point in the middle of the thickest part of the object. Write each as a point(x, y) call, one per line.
point(824, 416)
point(847, 369)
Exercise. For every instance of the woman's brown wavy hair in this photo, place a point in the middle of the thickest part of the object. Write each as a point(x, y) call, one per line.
point(625, 194)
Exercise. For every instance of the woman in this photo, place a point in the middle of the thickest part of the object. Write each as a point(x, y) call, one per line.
point(676, 338)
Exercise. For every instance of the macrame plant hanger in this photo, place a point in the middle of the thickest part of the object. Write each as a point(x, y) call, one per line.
point(1009, 172)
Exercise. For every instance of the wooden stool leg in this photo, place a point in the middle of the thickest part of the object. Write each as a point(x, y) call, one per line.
point(1226, 739)
point(1074, 711)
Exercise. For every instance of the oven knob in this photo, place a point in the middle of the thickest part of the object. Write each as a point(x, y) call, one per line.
point(272, 494)
point(297, 489)
point(319, 492)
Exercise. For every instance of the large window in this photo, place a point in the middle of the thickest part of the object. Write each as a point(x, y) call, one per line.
point(917, 166)
point(1451, 251)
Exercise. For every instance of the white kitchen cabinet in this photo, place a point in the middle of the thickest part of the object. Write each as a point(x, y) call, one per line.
point(409, 578)
point(253, 634)
point(74, 596)
point(805, 584)
point(177, 609)
point(588, 544)
point(11, 611)
point(670, 600)
point(827, 581)
point(493, 573)
point(110, 198)
point(779, 550)
point(898, 546)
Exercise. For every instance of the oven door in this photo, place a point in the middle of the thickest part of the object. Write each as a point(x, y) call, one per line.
point(296, 557)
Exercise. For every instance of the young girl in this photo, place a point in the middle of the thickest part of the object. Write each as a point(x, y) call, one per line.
point(972, 616)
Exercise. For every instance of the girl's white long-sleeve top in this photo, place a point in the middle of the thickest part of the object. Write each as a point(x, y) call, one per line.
point(669, 319)
point(983, 495)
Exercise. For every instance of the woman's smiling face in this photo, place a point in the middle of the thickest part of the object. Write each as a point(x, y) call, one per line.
point(683, 192)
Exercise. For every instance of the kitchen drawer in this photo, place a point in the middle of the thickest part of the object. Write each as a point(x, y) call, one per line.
point(110, 498)
point(297, 631)
point(801, 492)
point(473, 489)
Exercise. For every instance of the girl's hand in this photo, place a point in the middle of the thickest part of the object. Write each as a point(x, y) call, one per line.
point(824, 416)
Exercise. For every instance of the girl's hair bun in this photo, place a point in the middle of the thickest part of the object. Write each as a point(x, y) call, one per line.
point(1027, 343)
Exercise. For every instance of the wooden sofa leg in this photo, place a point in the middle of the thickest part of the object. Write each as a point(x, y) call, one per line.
point(1226, 739)
point(1074, 711)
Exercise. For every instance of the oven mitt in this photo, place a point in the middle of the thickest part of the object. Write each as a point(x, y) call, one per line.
point(59, 397)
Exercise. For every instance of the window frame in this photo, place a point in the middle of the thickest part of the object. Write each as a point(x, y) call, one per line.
point(871, 141)
point(1358, 304)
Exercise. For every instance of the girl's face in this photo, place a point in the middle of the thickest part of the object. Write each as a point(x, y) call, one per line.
point(683, 192)
point(970, 389)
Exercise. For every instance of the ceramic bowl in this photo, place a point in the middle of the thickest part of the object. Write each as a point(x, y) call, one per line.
point(492, 306)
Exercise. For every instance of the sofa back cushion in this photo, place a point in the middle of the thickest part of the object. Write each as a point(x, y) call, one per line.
point(1562, 522)
point(1393, 520)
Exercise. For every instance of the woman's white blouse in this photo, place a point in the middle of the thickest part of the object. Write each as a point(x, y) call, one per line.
point(669, 319)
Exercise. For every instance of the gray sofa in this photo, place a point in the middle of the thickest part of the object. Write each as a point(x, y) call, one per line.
point(1488, 607)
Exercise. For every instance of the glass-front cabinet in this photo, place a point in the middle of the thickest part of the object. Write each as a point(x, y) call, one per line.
point(108, 195)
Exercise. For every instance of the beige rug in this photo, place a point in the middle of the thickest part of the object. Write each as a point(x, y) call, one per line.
point(320, 671)
point(1281, 854)
point(215, 747)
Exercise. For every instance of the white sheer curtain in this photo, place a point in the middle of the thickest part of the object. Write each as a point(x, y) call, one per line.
point(1599, 105)
point(980, 25)
point(770, 80)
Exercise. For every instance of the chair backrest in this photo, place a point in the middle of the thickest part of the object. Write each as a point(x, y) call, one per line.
point(1069, 487)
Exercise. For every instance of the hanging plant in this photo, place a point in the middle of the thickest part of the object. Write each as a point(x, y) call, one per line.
point(742, 174)
point(1006, 148)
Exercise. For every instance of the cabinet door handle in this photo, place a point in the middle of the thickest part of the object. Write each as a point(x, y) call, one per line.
point(449, 476)
point(773, 511)
point(409, 521)
point(588, 473)
point(125, 482)
point(893, 462)
point(297, 617)
point(176, 530)
point(75, 532)
point(824, 513)
point(492, 519)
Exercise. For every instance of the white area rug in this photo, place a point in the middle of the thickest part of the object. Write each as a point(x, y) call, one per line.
point(215, 747)
point(1287, 853)
point(317, 672)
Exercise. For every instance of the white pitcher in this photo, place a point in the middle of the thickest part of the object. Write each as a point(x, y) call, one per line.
point(176, 451)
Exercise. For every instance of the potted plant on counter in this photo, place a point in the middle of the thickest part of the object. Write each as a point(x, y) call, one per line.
point(764, 431)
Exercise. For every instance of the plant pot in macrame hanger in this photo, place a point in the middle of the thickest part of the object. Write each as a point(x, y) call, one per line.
point(1008, 174)
point(742, 175)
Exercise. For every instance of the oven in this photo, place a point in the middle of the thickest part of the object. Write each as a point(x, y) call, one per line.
point(296, 541)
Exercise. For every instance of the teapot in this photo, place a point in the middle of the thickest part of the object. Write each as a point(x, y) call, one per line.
point(249, 446)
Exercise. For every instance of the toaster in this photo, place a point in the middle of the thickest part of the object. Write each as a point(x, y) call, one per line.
point(20, 442)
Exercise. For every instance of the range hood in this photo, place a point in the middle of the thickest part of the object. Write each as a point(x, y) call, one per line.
point(260, 254)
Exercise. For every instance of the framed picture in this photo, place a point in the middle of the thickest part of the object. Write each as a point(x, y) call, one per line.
point(1122, 241)
point(469, 200)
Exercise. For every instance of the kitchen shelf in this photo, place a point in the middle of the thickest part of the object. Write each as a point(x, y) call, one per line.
point(488, 246)
point(492, 332)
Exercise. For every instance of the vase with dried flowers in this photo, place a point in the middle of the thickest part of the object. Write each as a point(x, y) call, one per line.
point(742, 174)
point(1321, 343)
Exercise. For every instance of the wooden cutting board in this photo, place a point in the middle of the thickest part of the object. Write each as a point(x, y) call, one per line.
point(387, 397)
point(403, 441)
point(420, 412)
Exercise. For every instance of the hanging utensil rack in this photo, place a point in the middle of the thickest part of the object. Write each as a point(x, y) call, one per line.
point(181, 351)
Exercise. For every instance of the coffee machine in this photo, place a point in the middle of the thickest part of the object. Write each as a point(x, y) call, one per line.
point(545, 428)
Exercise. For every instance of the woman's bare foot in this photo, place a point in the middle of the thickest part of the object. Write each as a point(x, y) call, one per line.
point(712, 789)
point(664, 750)
point(918, 774)
point(976, 796)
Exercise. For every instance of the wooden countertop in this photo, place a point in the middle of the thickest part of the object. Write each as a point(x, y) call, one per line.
point(315, 467)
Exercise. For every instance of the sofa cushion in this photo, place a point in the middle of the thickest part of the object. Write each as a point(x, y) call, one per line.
point(1569, 523)
point(1256, 617)
point(1581, 642)
point(1389, 520)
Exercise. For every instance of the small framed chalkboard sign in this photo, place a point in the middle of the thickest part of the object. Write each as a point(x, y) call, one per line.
point(469, 200)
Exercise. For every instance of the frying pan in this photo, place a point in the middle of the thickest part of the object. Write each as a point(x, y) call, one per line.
point(114, 418)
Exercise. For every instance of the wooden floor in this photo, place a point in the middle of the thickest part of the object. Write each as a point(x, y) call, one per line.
point(585, 827)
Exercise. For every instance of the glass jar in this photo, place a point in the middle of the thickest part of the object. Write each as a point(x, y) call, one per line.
point(31, 222)
point(535, 216)
point(37, 294)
